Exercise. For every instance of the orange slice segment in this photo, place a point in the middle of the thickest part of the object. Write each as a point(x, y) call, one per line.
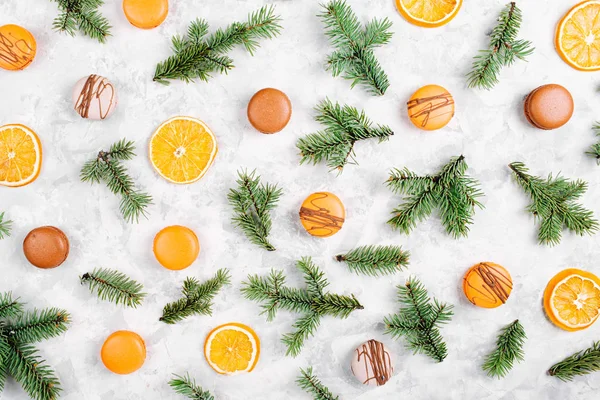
point(232, 348)
point(182, 149)
point(428, 13)
point(20, 155)
point(572, 299)
point(578, 36)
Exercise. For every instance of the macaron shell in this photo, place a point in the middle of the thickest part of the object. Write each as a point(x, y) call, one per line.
point(123, 352)
point(549, 107)
point(94, 97)
point(322, 214)
point(269, 110)
point(17, 47)
point(46, 247)
point(487, 285)
point(430, 107)
point(146, 14)
point(372, 363)
point(176, 247)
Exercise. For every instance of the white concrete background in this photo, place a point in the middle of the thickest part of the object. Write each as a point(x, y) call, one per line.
point(489, 129)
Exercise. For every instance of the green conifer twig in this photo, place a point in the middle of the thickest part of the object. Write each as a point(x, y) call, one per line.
point(5, 226)
point(594, 150)
point(354, 56)
point(509, 348)
point(313, 302)
point(198, 57)
point(107, 167)
point(375, 260)
point(504, 50)
point(114, 286)
point(82, 15)
point(581, 363)
point(9, 307)
point(344, 126)
point(419, 320)
point(311, 384)
point(451, 191)
point(186, 386)
point(36, 378)
point(197, 298)
point(553, 203)
point(252, 201)
point(37, 325)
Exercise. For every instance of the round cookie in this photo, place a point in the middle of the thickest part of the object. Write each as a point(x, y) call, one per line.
point(269, 110)
point(430, 108)
point(94, 97)
point(487, 285)
point(322, 214)
point(146, 14)
point(549, 107)
point(176, 247)
point(17, 47)
point(123, 352)
point(46, 247)
point(372, 363)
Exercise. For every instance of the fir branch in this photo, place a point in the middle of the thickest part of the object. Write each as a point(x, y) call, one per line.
point(553, 204)
point(9, 307)
point(186, 386)
point(354, 56)
point(82, 15)
point(509, 348)
point(581, 363)
point(594, 150)
point(197, 298)
point(36, 378)
point(313, 302)
point(311, 384)
point(37, 325)
point(451, 191)
point(344, 126)
point(252, 201)
point(198, 57)
point(114, 286)
point(375, 260)
point(504, 50)
point(5, 226)
point(419, 320)
point(107, 168)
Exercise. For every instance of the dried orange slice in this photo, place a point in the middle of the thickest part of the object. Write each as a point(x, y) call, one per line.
point(428, 13)
point(572, 299)
point(182, 149)
point(20, 155)
point(232, 348)
point(578, 36)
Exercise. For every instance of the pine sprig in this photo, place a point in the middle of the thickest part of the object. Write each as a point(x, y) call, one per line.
point(37, 325)
point(114, 286)
point(186, 386)
point(252, 201)
point(107, 168)
point(197, 298)
point(198, 57)
point(504, 50)
point(5, 226)
point(311, 384)
point(82, 15)
point(375, 260)
point(36, 378)
point(419, 320)
point(594, 150)
point(344, 126)
point(451, 191)
point(553, 204)
point(313, 302)
point(10, 307)
point(509, 348)
point(354, 57)
point(581, 363)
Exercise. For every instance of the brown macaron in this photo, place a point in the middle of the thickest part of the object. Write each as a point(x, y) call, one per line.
point(46, 247)
point(269, 110)
point(549, 107)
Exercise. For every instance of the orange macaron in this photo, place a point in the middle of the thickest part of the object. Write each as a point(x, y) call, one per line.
point(123, 352)
point(176, 247)
point(322, 214)
point(146, 14)
point(487, 285)
point(430, 107)
point(549, 107)
point(17, 47)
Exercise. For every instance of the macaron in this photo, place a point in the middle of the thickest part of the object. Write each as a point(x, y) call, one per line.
point(123, 352)
point(17, 47)
point(549, 106)
point(46, 247)
point(487, 285)
point(322, 214)
point(430, 108)
point(94, 97)
point(176, 247)
point(146, 14)
point(269, 110)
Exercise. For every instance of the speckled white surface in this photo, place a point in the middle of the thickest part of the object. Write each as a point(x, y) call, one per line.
point(488, 129)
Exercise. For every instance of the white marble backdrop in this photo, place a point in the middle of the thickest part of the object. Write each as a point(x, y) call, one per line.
point(489, 129)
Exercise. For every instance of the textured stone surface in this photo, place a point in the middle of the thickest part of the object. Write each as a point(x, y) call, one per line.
point(489, 129)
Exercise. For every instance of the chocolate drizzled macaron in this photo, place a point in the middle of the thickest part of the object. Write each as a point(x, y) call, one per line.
point(94, 97)
point(549, 107)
